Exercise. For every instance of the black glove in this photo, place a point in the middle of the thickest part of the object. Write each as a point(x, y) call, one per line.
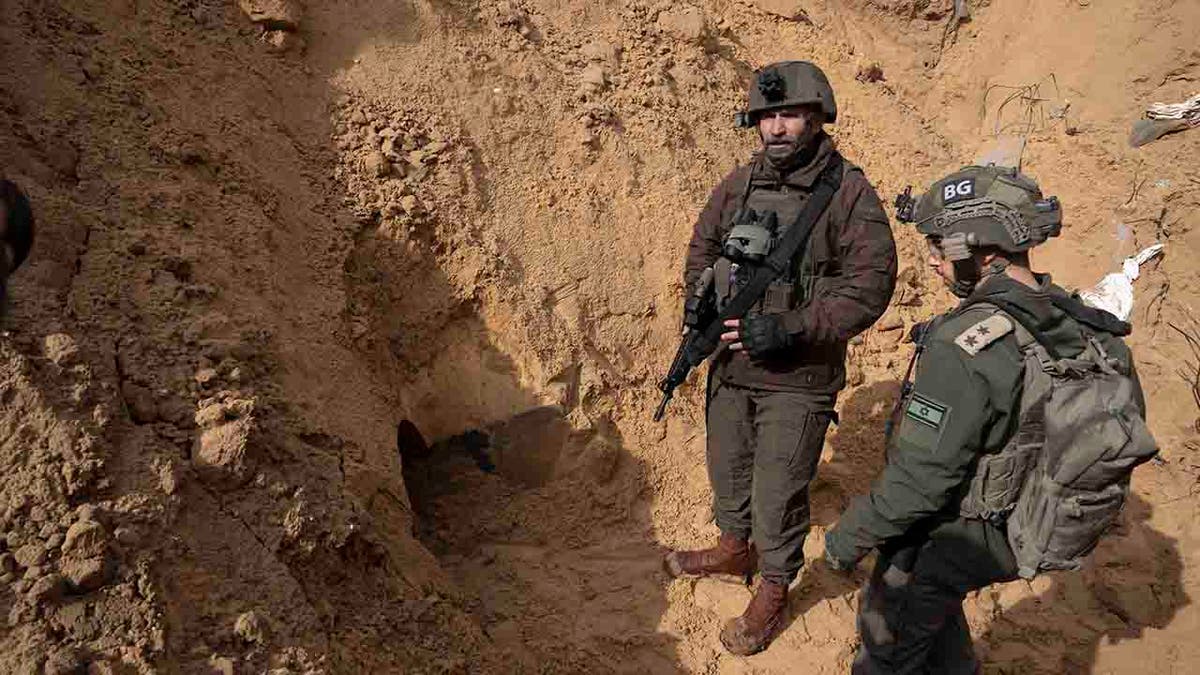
point(764, 336)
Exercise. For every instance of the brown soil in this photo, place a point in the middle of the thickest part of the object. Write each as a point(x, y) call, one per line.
point(263, 245)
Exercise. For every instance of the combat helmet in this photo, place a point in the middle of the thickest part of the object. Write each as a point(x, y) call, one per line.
point(982, 207)
point(785, 84)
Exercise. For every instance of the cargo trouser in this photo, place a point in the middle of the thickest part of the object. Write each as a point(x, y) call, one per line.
point(910, 614)
point(763, 449)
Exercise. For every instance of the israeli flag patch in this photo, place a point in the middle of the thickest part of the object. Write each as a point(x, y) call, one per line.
point(927, 411)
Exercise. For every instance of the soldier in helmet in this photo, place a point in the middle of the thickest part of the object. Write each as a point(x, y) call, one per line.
point(963, 408)
point(772, 389)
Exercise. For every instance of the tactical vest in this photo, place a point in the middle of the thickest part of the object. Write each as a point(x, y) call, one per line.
point(1063, 477)
point(787, 292)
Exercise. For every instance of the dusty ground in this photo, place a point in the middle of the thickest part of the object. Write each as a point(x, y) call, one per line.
point(262, 245)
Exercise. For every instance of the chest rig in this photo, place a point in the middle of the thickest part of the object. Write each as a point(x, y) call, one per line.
point(763, 217)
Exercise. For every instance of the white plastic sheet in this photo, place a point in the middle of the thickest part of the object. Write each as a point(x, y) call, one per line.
point(1114, 293)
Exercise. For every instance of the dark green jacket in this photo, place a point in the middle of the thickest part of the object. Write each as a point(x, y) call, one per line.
point(962, 405)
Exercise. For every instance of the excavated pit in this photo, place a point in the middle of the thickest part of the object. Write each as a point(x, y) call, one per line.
point(280, 247)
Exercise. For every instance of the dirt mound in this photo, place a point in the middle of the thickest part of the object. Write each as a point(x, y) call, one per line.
point(268, 233)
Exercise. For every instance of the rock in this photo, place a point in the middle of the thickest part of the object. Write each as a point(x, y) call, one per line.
point(375, 164)
point(47, 589)
point(686, 23)
point(282, 41)
point(273, 14)
point(54, 541)
point(85, 539)
point(60, 348)
point(33, 573)
point(30, 554)
point(594, 78)
point(220, 665)
point(869, 72)
point(85, 574)
point(602, 52)
point(251, 627)
point(140, 401)
point(205, 376)
point(212, 415)
point(221, 453)
point(890, 321)
point(64, 662)
point(389, 149)
point(792, 10)
point(410, 204)
point(855, 376)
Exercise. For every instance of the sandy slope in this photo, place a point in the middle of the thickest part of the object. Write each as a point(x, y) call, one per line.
point(258, 253)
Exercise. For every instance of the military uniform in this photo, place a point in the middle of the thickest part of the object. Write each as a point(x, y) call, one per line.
point(767, 420)
point(964, 404)
point(771, 402)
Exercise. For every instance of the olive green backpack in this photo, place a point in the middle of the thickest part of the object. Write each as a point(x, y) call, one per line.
point(1063, 477)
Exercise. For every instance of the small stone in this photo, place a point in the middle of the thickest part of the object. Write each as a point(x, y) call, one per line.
point(85, 539)
point(33, 573)
point(54, 541)
point(377, 165)
point(890, 321)
point(211, 415)
point(594, 78)
point(47, 589)
point(687, 23)
point(8, 563)
point(60, 348)
point(251, 627)
point(205, 376)
point(282, 41)
point(603, 52)
point(409, 204)
point(85, 574)
point(30, 554)
point(869, 72)
point(220, 665)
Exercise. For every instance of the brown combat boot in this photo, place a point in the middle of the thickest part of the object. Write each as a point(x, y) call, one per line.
point(762, 622)
point(732, 556)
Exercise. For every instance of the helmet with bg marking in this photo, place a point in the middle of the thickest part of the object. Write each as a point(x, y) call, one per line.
point(988, 206)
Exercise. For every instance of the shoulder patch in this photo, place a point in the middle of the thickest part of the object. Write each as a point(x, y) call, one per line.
point(985, 332)
point(927, 411)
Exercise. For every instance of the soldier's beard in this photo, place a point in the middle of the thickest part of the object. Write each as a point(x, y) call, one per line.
point(790, 152)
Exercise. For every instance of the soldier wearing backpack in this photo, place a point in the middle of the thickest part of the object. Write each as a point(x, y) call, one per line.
point(1014, 444)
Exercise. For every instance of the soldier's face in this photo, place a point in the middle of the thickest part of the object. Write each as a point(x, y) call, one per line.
point(938, 262)
point(787, 130)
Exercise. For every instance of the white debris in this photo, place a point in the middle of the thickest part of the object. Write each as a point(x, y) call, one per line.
point(1114, 293)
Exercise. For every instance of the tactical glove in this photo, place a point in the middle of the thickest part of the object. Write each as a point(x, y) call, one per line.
point(833, 561)
point(764, 336)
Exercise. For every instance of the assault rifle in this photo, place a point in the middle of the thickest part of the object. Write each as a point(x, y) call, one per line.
point(702, 339)
point(698, 312)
